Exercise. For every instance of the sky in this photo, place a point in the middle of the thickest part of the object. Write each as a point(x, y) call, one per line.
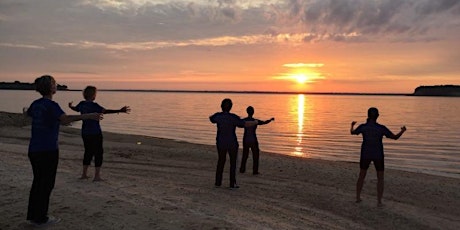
point(352, 46)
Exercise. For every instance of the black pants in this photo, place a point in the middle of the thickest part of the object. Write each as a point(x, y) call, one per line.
point(255, 157)
point(93, 148)
point(233, 153)
point(44, 167)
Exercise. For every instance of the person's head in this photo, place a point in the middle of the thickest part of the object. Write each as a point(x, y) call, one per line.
point(45, 85)
point(250, 110)
point(89, 93)
point(226, 105)
point(372, 113)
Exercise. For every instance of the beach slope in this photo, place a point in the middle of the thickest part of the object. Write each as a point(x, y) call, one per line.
point(154, 183)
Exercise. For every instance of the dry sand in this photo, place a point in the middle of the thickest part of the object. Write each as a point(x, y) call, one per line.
point(154, 183)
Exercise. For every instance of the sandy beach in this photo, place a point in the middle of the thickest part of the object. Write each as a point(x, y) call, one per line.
point(154, 183)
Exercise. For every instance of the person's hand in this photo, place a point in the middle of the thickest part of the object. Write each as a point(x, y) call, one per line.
point(125, 109)
point(353, 123)
point(403, 129)
point(70, 104)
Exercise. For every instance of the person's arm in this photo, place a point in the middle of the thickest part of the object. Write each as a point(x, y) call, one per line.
point(352, 129)
point(212, 118)
point(266, 122)
point(397, 136)
point(66, 119)
point(124, 109)
point(74, 108)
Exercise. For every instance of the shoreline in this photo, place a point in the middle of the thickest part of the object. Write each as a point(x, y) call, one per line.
point(156, 183)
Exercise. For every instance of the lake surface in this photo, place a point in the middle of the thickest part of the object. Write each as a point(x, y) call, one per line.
point(311, 126)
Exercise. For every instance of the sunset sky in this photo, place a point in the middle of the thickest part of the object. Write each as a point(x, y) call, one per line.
point(378, 46)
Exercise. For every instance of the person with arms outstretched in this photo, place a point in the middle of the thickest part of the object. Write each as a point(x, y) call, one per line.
point(43, 153)
point(250, 142)
point(372, 150)
point(226, 140)
point(91, 131)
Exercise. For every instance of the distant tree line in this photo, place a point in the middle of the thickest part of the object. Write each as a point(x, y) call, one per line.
point(24, 86)
point(438, 90)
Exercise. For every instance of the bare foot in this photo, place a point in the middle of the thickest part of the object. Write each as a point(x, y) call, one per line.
point(358, 200)
point(83, 177)
point(379, 204)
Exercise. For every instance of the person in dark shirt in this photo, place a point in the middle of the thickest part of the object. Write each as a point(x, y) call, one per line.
point(250, 142)
point(226, 140)
point(91, 131)
point(372, 150)
point(47, 116)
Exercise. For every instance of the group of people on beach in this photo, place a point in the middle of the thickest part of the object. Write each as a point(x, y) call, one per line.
point(226, 142)
point(47, 116)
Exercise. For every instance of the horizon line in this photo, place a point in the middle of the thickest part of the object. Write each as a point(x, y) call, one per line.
point(247, 92)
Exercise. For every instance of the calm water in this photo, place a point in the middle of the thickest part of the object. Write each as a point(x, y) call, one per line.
point(313, 126)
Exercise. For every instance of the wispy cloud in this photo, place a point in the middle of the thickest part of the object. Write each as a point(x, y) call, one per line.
point(300, 65)
point(215, 41)
point(21, 46)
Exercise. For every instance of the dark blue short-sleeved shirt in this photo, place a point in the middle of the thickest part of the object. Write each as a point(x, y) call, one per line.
point(226, 127)
point(90, 127)
point(45, 115)
point(250, 135)
point(372, 146)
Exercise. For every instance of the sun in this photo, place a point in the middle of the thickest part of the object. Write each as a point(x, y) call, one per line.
point(300, 78)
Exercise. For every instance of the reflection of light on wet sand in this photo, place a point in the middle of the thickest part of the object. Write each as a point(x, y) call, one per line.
point(298, 150)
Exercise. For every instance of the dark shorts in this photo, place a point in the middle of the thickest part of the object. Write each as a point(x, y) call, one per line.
point(93, 148)
point(379, 164)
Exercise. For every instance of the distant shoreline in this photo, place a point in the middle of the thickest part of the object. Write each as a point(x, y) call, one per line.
point(437, 90)
point(247, 92)
point(223, 91)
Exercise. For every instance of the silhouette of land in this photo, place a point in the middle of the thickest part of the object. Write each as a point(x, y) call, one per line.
point(438, 90)
point(17, 85)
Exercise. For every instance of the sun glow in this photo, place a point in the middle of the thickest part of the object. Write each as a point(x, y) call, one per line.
point(302, 73)
point(300, 78)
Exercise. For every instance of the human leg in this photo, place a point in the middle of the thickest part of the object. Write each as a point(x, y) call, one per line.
point(34, 190)
point(255, 158)
point(380, 182)
point(233, 152)
point(359, 184)
point(87, 157)
point(222, 155)
point(44, 167)
point(98, 157)
point(244, 158)
point(364, 165)
point(379, 167)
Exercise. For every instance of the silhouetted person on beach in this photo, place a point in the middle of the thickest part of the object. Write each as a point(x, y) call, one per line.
point(91, 131)
point(43, 152)
point(372, 150)
point(250, 142)
point(226, 140)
